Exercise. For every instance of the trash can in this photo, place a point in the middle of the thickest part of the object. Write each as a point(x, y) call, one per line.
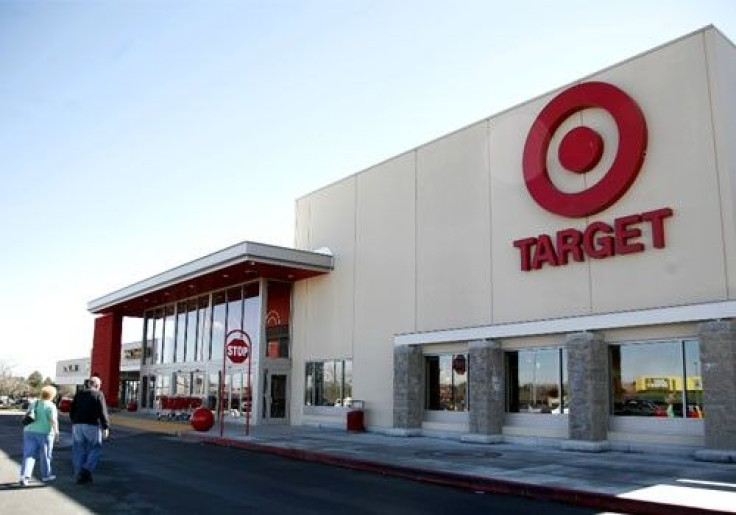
point(356, 416)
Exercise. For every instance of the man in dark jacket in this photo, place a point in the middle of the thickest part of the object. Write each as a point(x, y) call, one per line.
point(90, 424)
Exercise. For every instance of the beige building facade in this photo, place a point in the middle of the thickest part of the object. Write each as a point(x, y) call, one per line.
point(426, 256)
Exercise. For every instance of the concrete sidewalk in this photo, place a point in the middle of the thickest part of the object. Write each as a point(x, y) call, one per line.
point(609, 481)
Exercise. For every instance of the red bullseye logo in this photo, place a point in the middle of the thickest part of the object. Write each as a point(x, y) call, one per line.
point(581, 149)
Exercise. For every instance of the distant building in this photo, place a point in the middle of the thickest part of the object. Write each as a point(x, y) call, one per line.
point(72, 373)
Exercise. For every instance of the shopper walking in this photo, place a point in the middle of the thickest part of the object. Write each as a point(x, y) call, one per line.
point(39, 437)
point(90, 424)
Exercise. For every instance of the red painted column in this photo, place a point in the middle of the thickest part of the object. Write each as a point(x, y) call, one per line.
point(106, 354)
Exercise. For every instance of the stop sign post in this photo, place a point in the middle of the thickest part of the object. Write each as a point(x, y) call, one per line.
point(237, 349)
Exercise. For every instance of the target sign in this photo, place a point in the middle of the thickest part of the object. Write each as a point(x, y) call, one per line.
point(581, 149)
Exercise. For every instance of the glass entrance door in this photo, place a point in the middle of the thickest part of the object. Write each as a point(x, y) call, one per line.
point(275, 398)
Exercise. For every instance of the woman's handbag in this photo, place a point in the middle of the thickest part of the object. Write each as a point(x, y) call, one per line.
point(30, 416)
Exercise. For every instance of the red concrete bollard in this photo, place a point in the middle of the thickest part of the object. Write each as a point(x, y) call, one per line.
point(202, 419)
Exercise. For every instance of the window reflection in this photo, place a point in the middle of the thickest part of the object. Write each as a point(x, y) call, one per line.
point(657, 379)
point(252, 312)
point(169, 334)
point(329, 383)
point(203, 328)
point(191, 338)
point(182, 383)
point(198, 384)
point(277, 320)
point(148, 391)
point(234, 309)
point(213, 391)
point(537, 381)
point(219, 312)
point(149, 339)
point(693, 380)
point(447, 382)
point(158, 333)
point(181, 331)
point(163, 389)
point(237, 395)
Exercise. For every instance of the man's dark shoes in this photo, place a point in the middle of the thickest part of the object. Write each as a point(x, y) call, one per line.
point(85, 476)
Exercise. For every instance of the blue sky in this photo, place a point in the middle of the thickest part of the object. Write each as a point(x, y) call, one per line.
point(135, 136)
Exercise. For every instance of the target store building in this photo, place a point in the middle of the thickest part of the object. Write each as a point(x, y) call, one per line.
point(561, 273)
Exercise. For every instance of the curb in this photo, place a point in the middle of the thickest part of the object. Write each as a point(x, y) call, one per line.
point(588, 499)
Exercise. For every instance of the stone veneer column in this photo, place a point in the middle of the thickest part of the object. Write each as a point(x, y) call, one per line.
point(718, 369)
point(408, 390)
point(587, 372)
point(487, 392)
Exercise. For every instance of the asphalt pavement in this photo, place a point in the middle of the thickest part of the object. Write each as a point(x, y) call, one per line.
point(614, 481)
point(622, 482)
point(146, 472)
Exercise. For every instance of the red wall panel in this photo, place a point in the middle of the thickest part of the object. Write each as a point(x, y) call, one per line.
point(106, 354)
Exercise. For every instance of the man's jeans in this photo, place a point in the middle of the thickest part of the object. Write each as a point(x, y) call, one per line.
point(37, 445)
point(86, 447)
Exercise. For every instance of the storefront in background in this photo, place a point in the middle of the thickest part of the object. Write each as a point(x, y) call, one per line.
point(562, 273)
point(72, 374)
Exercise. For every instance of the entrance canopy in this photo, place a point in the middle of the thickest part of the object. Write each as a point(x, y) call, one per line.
point(233, 265)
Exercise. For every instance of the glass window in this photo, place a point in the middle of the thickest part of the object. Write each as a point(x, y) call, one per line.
point(277, 320)
point(228, 400)
point(447, 382)
point(213, 391)
point(203, 328)
point(148, 389)
point(347, 382)
point(329, 383)
point(331, 386)
point(693, 380)
point(181, 331)
point(191, 338)
point(537, 381)
point(169, 334)
point(182, 381)
point(252, 312)
point(239, 399)
point(163, 390)
point(309, 393)
point(219, 313)
point(278, 342)
point(657, 379)
point(149, 338)
point(158, 334)
point(234, 309)
point(198, 384)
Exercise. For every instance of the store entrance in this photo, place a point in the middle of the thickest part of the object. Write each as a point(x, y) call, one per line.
point(275, 399)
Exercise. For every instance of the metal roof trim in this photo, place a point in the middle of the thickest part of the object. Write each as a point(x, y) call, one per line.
point(241, 252)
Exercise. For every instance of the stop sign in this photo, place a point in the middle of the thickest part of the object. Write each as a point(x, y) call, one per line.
point(237, 350)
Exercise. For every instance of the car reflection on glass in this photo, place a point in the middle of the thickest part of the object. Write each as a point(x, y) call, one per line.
point(640, 408)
